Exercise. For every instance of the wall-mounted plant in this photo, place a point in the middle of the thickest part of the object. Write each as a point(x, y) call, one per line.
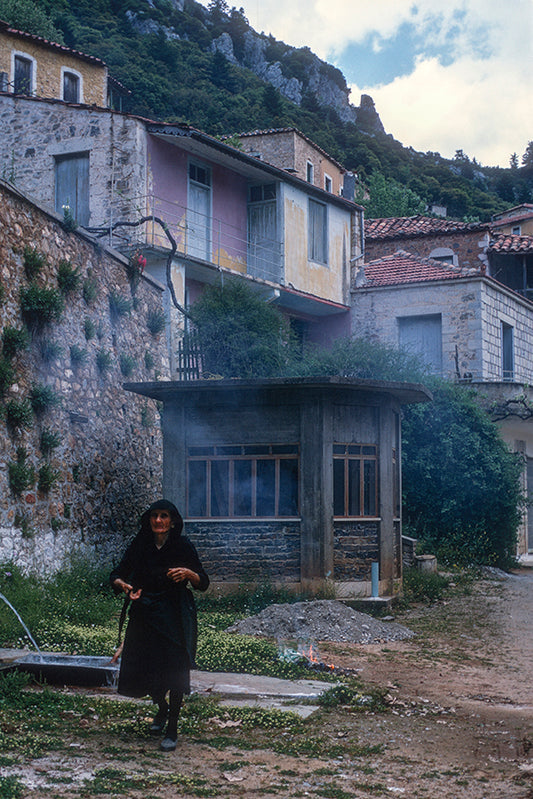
point(49, 441)
point(14, 340)
point(40, 306)
point(127, 364)
point(2, 292)
point(68, 277)
point(21, 474)
point(78, 356)
point(7, 376)
point(49, 349)
point(19, 415)
point(23, 524)
point(56, 524)
point(156, 321)
point(147, 417)
point(76, 473)
point(47, 478)
point(134, 269)
point(34, 262)
point(43, 398)
point(89, 289)
point(89, 328)
point(103, 361)
point(100, 332)
point(149, 361)
point(67, 510)
point(69, 222)
point(118, 306)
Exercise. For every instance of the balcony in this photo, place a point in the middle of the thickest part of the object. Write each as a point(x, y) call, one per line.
point(200, 239)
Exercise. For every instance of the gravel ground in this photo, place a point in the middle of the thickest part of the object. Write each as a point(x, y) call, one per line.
point(320, 620)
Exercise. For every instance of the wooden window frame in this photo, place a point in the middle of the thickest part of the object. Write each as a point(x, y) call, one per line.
point(364, 454)
point(313, 245)
point(231, 454)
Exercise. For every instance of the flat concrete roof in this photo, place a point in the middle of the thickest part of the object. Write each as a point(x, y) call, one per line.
point(180, 391)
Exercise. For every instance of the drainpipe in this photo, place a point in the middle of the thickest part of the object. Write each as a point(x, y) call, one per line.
point(375, 580)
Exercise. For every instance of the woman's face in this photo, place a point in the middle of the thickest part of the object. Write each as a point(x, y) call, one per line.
point(160, 521)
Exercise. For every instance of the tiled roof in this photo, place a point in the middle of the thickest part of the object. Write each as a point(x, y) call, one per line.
point(403, 267)
point(502, 242)
point(511, 220)
point(4, 26)
point(398, 226)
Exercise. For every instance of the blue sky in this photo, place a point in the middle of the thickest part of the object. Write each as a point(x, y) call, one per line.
point(444, 74)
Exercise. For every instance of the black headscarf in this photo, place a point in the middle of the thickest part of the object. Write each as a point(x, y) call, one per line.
point(163, 504)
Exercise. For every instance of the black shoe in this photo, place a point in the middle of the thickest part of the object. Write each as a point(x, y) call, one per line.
point(168, 744)
point(158, 724)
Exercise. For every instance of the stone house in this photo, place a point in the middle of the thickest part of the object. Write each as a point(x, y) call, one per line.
point(517, 221)
point(79, 456)
point(293, 480)
point(466, 325)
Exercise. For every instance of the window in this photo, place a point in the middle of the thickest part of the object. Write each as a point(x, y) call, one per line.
point(264, 250)
point(507, 352)
point(444, 254)
point(72, 185)
point(355, 483)
point(516, 230)
point(310, 172)
point(318, 232)
point(328, 184)
point(23, 69)
point(199, 215)
point(71, 90)
point(242, 481)
point(422, 336)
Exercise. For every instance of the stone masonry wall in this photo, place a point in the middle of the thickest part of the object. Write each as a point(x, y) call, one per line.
point(497, 307)
point(470, 247)
point(35, 132)
point(105, 461)
point(356, 545)
point(48, 63)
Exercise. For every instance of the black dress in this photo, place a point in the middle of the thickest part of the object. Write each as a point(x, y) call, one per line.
point(160, 641)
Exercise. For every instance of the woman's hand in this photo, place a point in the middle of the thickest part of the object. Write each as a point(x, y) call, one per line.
point(179, 574)
point(122, 585)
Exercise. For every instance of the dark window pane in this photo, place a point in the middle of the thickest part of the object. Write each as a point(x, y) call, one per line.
point(284, 449)
point(23, 69)
point(339, 449)
point(354, 488)
point(370, 488)
point(338, 487)
point(200, 450)
point(269, 192)
point(369, 450)
point(288, 487)
point(242, 488)
point(354, 449)
point(266, 488)
point(71, 88)
point(219, 488)
point(228, 450)
point(256, 450)
point(197, 483)
point(256, 194)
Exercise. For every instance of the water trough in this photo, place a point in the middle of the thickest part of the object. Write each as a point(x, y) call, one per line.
point(58, 669)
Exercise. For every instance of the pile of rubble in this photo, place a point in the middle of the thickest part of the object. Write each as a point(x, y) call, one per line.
point(320, 620)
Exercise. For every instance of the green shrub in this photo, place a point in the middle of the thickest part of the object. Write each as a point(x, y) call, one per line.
point(21, 474)
point(34, 262)
point(49, 349)
point(127, 364)
point(2, 292)
point(149, 361)
point(68, 277)
point(40, 306)
point(47, 477)
point(7, 376)
point(78, 356)
point(103, 361)
point(49, 441)
point(156, 321)
point(19, 414)
point(14, 340)
point(420, 586)
point(89, 289)
point(43, 398)
point(147, 417)
point(89, 328)
point(69, 222)
point(118, 306)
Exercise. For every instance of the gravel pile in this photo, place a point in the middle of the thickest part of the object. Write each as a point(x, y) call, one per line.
point(320, 620)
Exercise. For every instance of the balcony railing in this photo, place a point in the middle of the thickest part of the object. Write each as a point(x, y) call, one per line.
point(201, 237)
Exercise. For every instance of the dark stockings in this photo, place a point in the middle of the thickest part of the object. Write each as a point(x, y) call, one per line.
point(176, 700)
point(162, 704)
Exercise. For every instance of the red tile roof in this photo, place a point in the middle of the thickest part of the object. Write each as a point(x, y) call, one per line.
point(400, 226)
point(403, 267)
point(4, 26)
point(502, 242)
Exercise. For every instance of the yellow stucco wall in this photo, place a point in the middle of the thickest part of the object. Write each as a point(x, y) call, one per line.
point(48, 63)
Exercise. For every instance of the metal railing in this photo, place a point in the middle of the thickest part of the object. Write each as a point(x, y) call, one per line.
point(201, 237)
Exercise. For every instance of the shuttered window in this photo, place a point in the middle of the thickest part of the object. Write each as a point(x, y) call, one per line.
point(318, 232)
point(23, 75)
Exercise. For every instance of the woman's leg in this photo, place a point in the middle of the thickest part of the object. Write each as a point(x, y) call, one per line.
point(158, 723)
point(171, 734)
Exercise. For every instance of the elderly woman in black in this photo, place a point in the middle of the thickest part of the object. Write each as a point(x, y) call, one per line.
point(160, 641)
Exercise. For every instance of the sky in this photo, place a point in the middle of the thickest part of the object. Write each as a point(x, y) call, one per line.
point(444, 74)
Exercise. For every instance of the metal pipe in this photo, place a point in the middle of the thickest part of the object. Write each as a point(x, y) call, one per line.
point(375, 579)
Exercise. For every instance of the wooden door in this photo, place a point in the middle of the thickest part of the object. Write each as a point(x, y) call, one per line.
point(72, 186)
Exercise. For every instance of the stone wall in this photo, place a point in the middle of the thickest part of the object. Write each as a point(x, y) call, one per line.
point(356, 545)
point(48, 62)
point(505, 306)
point(469, 248)
point(105, 460)
point(36, 132)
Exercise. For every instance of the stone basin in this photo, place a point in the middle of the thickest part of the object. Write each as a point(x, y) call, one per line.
point(58, 669)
